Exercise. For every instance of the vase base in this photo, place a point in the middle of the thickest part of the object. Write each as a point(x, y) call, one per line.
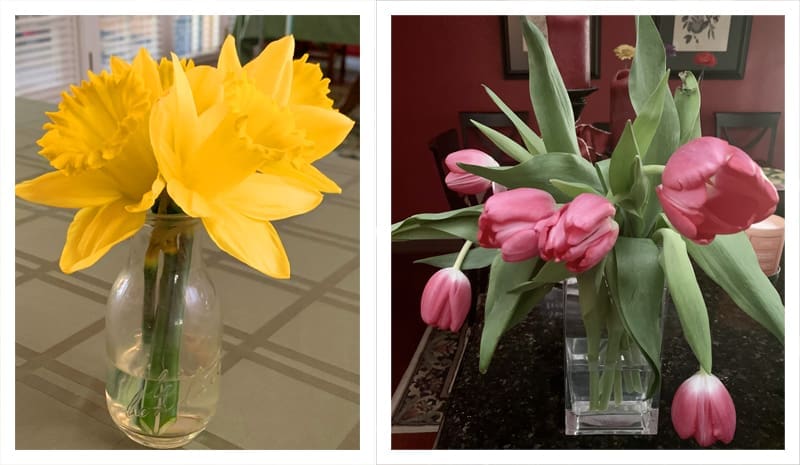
point(620, 421)
point(159, 442)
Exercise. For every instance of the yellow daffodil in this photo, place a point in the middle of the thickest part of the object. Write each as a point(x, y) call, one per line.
point(312, 127)
point(99, 141)
point(209, 161)
point(625, 52)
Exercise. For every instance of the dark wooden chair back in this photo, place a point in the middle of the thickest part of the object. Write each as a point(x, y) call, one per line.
point(472, 138)
point(441, 146)
point(746, 129)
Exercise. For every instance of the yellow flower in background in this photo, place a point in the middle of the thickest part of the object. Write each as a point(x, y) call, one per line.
point(99, 141)
point(312, 127)
point(625, 52)
point(209, 162)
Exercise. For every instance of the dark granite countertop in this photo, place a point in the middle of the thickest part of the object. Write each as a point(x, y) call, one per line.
point(519, 403)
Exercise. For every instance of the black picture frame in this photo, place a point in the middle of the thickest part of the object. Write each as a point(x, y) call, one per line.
point(515, 60)
point(730, 64)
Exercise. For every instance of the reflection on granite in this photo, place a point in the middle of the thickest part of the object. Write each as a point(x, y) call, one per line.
point(519, 403)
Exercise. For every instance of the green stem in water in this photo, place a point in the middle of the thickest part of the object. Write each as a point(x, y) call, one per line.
point(159, 406)
point(653, 169)
point(462, 254)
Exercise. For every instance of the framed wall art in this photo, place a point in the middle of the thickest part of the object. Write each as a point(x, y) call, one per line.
point(726, 37)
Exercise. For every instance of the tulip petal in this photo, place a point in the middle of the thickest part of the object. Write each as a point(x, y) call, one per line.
point(325, 128)
point(465, 183)
point(469, 157)
point(93, 232)
point(521, 246)
point(272, 69)
point(250, 241)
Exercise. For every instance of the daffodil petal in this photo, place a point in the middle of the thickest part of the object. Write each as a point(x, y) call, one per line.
point(272, 69)
point(206, 85)
point(228, 58)
point(326, 128)
point(309, 87)
point(149, 197)
point(251, 241)
point(93, 232)
point(303, 172)
point(146, 68)
point(56, 189)
point(268, 197)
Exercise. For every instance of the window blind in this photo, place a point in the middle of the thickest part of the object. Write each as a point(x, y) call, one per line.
point(46, 56)
point(196, 35)
point(122, 36)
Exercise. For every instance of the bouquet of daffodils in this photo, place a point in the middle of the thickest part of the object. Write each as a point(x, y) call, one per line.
point(231, 145)
point(626, 228)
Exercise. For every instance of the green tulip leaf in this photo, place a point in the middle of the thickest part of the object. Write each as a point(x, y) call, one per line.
point(686, 296)
point(620, 171)
point(526, 302)
point(730, 261)
point(603, 168)
point(503, 142)
point(637, 287)
point(649, 115)
point(532, 141)
point(552, 272)
point(649, 63)
point(477, 257)
point(687, 103)
point(573, 189)
point(595, 305)
point(500, 303)
point(538, 171)
point(667, 137)
point(462, 223)
point(549, 97)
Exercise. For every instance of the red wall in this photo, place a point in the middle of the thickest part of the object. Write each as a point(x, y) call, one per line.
point(439, 64)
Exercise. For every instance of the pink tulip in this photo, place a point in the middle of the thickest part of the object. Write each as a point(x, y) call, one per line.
point(580, 234)
point(710, 187)
point(446, 299)
point(703, 408)
point(461, 181)
point(508, 221)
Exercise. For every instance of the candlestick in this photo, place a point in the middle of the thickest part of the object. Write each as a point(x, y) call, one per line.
point(621, 109)
point(568, 37)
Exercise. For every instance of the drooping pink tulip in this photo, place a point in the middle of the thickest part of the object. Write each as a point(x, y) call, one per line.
point(467, 183)
point(446, 299)
point(580, 234)
point(508, 222)
point(703, 408)
point(710, 187)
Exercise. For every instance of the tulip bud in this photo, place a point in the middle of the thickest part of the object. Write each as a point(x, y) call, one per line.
point(446, 299)
point(580, 234)
point(710, 187)
point(508, 221)
point(703, 408)
point(467, 183)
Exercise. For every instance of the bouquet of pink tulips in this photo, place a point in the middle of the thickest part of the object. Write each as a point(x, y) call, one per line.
point(626, 227)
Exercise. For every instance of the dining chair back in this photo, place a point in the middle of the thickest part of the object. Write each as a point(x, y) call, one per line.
point(746, 130)
point(471, 137)
point(441, 146)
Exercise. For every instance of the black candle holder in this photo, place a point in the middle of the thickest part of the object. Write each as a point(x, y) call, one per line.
point(578, 99)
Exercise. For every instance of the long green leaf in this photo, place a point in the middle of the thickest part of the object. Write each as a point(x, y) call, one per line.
point(637, 285)
point(649, 115)
point(532, 141)
point(503, 142)
point(551, 272)
point(731, 262)
point(687, 103)
point(573, 189)
point(687, 296)
point(595, 305)
point(549, 97)
point(477, 257)
point(667, 136)
point(648, 64)
point(620, 171)
point(500, 303)
point(462, 223)
point(538, 171)
point(525, 304)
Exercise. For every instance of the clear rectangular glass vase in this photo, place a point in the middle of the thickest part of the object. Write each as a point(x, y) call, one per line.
point(606, 394)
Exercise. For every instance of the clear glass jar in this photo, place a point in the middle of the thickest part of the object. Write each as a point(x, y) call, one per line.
point(606, 388)
point(163, 336)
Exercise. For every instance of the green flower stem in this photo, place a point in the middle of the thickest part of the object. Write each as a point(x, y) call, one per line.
point(462, 254)
point(618, 386)
point(653, 169)
point(609, 375)
point(160, 398)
